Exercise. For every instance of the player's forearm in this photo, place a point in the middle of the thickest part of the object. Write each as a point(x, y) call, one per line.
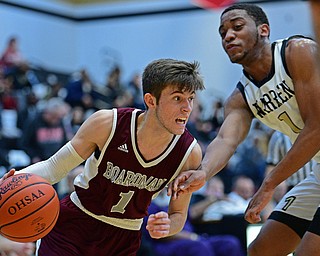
point(57, 166)
point(309, 141)
point(178, 221)
point(217, 156)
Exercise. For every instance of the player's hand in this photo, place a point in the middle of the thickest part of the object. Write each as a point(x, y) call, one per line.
point(258, 202)
point(158, 225)
point(22, 249)
point(12, 248)
point(7, 175)
point(187, 182)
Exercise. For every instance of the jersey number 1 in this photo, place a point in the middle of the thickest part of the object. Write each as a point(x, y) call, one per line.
point(286, 118)
point(123, 202)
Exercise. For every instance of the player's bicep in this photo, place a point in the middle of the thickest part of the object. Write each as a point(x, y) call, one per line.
point(194, 160)
point(93, 133)
point(302, 65)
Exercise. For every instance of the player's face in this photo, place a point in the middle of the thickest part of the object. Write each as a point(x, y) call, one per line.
point(239, 35)
point(174, 108)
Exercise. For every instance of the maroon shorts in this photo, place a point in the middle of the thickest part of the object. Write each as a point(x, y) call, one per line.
point(77, 234)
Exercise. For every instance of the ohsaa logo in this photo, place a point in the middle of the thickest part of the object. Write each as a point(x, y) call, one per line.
point(25, 201)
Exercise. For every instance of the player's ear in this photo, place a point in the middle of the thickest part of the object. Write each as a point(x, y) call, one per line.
point(150, 100)
point(264, 30)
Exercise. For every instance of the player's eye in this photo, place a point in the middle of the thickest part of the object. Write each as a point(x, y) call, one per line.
point(238, 27)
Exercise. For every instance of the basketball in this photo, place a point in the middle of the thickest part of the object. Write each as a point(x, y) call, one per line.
point(29, 207)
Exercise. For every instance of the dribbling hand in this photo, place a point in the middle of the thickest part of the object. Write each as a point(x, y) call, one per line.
point(7, 175)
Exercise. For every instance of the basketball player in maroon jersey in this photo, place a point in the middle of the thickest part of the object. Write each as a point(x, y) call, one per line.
point(131, 155)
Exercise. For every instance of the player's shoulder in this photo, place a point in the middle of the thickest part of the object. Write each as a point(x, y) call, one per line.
point(102, 114)
point(194, 159)
point(300, 43)
point(100, 118)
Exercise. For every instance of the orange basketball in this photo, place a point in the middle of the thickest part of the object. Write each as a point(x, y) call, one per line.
point(29, 207)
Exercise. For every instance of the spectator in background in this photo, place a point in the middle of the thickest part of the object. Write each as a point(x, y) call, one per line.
point(235, 203)
point(55, 87)
point(113, 94)
point(243, 189)
point(135, 92)
point(213, 192)
point(73, 120)
point(12, 58)
point(249, 158)
point(30, 111)
point(14, 64)
point(10, 133)
point(45, 134)
point(217, 114)
point(80, 91)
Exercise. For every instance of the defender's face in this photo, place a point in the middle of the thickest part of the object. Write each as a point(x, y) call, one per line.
point(239, 35)
point(174, 108)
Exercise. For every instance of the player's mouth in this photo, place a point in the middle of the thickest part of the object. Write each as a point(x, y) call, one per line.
point(231, 47)
point(181, 120)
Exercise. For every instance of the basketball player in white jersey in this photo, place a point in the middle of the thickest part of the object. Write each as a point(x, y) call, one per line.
point(280, 86)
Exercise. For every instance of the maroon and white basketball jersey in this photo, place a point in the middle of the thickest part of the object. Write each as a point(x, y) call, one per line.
point(118, 184)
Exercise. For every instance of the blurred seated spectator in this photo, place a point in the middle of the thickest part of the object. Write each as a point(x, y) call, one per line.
point(79, 90)
point(187, 242)
point(11, 248)
point(14, 65)
point(30, 111)
point(234, 203)
point(135, 95)
point(113, 93)
point(10, 133)
point(55, 87)
point(45, 134)
point(243, 189)
point(214, 212)
point(73, 120)
point(44, 137)
point(248, 159)
point(214, 191)
point(12, 58)
point(218, 115)
point(4, 161)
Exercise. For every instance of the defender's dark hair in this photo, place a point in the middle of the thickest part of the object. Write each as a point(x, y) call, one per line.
point(254, 11)
point(166, 72)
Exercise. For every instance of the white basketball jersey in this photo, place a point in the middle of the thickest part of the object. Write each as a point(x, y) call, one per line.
point(273, 99)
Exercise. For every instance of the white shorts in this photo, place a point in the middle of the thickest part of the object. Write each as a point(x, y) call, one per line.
point(302, 200)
